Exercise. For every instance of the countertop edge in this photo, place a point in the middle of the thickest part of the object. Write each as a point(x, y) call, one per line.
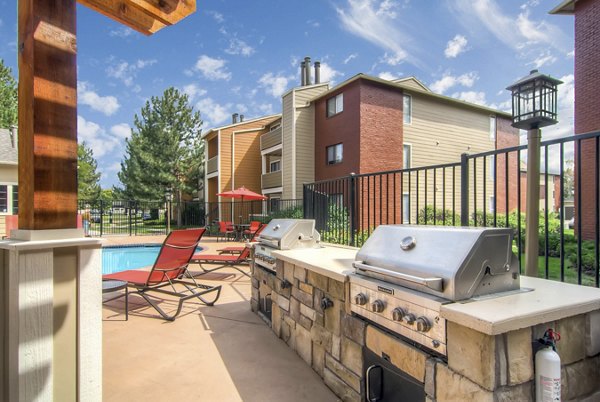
point(22, 245)
point(338, 275)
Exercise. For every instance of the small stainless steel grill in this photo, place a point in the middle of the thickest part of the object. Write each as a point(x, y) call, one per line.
point(404, 274)
point(284, 234)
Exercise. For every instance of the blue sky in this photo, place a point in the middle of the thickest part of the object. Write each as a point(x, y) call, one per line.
point(240, 56)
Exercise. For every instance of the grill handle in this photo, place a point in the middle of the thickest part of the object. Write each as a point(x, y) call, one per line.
point(432, 283)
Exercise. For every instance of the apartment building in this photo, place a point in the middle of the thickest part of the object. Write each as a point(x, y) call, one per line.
point(233, 159)
point(9, 173)
point(587, 88)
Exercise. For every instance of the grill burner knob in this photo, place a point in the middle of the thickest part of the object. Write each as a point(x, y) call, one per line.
point(423, 324)
point(398, 314)
point(409, 318)
point(377, 306)
point(360, 299)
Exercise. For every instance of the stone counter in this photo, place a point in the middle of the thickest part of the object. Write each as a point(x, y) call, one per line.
point(490, 343)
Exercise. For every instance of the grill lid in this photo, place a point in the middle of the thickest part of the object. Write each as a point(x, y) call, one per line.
point(287, 234)
point(454, 263)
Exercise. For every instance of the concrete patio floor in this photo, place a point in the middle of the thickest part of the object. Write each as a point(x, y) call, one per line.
point(219, 353)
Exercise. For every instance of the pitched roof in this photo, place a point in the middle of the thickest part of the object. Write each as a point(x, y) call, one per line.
point(411, 88)
point(565, 7)
point(274, 116)
point(9, 153)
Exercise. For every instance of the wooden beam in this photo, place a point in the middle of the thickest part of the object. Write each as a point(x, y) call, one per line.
point(169, 12)
point(47, 115)
point(126, 13)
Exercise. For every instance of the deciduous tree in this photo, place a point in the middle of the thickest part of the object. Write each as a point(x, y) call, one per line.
point(8, 97)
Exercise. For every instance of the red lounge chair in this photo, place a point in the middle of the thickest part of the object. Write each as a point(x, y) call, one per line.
point(223, 260)
point(239, 249)
point(169, 269)
point(254, 226)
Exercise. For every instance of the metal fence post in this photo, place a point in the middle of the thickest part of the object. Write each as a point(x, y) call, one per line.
point(464, 189)
point(101, 217)
point(352, 208)
point(305, 202)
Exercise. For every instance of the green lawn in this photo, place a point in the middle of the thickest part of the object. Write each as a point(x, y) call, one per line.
point(554, 270)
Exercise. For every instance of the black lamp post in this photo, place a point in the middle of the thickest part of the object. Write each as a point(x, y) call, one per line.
point(168, 199)
point(534, 105)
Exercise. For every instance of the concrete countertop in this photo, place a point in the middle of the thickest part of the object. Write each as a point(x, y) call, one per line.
point(330, 260)
point(549, 301)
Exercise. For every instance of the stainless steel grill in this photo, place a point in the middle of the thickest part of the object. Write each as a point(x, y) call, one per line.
point(404, 274)
point(284, 234)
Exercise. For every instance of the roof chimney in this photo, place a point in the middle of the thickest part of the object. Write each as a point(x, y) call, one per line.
point(307, 70)
point(302, 74)
point(241, 118)
point(317, 72)
point(234, 118)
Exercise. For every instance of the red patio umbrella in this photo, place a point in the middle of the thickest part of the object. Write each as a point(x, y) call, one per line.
point(242, 193)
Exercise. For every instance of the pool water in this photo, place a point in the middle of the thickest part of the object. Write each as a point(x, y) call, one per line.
point(121, 258)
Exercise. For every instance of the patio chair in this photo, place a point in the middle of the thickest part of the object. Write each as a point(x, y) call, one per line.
point(223, 260)
point(169, 269)
point(239, 249)
point(254, 226)
point(226, 230)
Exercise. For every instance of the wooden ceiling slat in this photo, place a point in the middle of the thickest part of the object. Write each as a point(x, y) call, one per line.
point(145, 16)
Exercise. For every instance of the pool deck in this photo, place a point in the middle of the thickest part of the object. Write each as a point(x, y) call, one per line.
point(219, 353)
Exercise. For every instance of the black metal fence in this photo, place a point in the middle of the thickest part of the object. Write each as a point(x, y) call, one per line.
point(245, 211)
point(485, 189)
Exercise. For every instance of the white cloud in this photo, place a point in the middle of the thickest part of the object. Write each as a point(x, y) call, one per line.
point(95, 137)
point(471, 96)
point(121, 32)
point(545, 58)
point(386, 75)
point(374, 21)
point(212, 69)
point(127, 72)
point(448, 81)
point(238, 46)
point(313, 23)
point(121, 130)
point(104, 104)
point(193, 91)
point(212, 112)
point(456, 46)
point(218, 17)
point(328, 73)
point(275, 85)
point(515, 32)
point(350, 57)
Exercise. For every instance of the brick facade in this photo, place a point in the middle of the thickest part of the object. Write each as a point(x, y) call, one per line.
point(587, 104)
point(506, 136)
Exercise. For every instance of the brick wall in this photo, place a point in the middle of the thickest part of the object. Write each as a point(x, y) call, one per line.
point(506, 136)
point(587, 103)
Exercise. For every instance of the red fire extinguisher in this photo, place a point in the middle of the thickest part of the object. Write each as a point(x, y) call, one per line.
point(547, 369)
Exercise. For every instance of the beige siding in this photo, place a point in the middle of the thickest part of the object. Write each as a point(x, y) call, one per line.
point(2, 226)
point(270, 139)
point(287, 123)
point(439, 134)
point(248, 162)
point(410, 82)
point(305, 148)
point(9, 174)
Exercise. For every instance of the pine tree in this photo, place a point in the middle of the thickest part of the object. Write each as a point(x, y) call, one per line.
point(165, 150)
point(88, 187)
point(8, 97)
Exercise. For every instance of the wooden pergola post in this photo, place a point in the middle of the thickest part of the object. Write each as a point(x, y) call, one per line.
point(47, 114)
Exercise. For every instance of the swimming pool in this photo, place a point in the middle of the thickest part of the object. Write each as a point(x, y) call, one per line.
point(121, 258)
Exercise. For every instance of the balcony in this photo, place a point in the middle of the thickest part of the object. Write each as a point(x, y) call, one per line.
point(271, 180)
point(270, 139)
point(212, 165)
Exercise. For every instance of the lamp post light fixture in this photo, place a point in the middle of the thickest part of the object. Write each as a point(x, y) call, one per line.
point(168, 199)
point(534, 105)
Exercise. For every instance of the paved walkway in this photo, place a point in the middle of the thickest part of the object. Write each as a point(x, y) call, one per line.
point(219, 353)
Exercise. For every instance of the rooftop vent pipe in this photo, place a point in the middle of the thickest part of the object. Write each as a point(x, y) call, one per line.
point(307, 70)
point(302, 74)
point(234, 118)
point(317, 72)
point(241, 118)
point(13, 136)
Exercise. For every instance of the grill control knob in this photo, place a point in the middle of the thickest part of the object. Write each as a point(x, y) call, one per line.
point(423, 324)
point(398, 314)
point(360, 299)
point(377, 306)
point(409, 318)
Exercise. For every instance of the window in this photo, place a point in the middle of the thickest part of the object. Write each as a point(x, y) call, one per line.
point(492, 205)
point(15, 200)
point(274, 204)
point(3, 199)
point(335, 154)
point(335, 105)
point(275, 166)
point(405, 208)
point(407, 157)
point(407, 109)
point(492, 127)
point(492, 167)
